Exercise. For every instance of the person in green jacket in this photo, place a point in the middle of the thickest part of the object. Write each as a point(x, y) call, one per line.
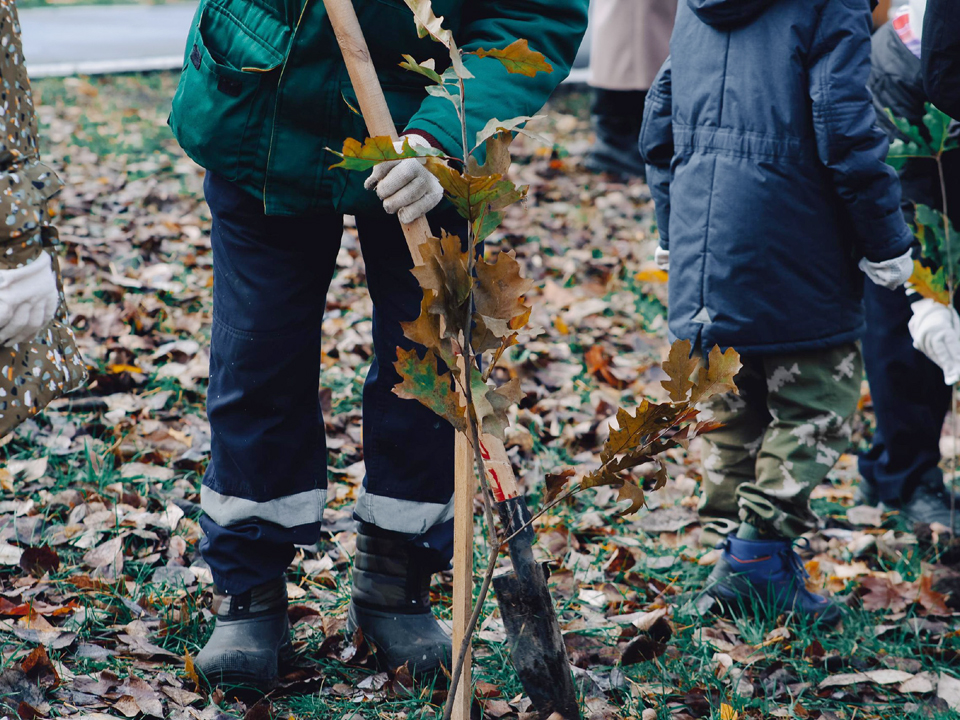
point(263, 93)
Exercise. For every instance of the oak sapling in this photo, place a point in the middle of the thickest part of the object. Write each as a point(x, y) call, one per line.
point(935, 276)
point(474, 308)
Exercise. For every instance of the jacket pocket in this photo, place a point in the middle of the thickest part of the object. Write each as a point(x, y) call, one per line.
point(223, 100)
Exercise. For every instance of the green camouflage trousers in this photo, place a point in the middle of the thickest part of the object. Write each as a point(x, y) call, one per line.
point(781, 436)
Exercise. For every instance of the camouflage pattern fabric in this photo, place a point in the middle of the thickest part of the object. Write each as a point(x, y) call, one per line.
point(782, 434)
point(31, 374)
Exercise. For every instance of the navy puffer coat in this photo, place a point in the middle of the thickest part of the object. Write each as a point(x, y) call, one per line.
point(767, 168)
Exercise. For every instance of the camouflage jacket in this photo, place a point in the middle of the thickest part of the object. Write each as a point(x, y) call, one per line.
point(31, 374)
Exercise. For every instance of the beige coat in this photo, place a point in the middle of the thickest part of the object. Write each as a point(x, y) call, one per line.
point(630, 39)
point(31, 374)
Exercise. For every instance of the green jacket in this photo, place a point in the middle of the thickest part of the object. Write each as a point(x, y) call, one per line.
point(264, 89)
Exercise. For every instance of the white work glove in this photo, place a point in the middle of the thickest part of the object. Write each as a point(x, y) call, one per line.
point(406, 187)
point(28, 300)
point(662, 258)
point(935, 329)
point(890, 274)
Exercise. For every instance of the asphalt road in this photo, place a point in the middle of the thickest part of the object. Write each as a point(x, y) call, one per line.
point(99, 39)
point(96, 39)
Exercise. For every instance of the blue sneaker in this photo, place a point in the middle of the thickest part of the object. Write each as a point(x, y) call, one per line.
point(765, 573)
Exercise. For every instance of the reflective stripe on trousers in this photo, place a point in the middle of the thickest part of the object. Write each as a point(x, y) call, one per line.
point(264, 489)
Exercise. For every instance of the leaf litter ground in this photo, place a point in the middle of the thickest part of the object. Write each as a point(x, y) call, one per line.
point(103, 595)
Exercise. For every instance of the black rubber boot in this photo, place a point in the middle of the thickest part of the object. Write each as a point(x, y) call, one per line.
point(391, 602)
point(929, 503)
point(250, 640)
point(866, 493)
point(616, 118)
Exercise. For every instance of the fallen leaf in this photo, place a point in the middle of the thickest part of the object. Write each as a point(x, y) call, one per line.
point(865, 515)
point(919, 684)
point(932, 601)
point(948, 690)
point(877, 677)
point(38, 561)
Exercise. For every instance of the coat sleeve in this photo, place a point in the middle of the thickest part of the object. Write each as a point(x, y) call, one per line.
point(656, 147)
point(940, 55)
point(552, 27)
point(849, 142)
point(26, 184)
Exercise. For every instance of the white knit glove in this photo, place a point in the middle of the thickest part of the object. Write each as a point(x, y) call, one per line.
point(406, 187)
point(28, 300)
point(662, 258)
point(935, 329)
point(890, 274)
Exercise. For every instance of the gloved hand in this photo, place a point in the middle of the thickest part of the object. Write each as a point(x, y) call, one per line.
point(890, 274)
point(935, 329)
point(406, 187)
point(662, 258)
point(28, 300)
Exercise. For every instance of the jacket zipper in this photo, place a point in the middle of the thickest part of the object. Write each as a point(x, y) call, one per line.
point(276, 106)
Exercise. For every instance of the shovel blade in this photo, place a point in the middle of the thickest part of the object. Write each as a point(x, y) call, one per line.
point(536, 645)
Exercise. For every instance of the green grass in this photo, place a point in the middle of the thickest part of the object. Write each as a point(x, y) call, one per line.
point(96, 130)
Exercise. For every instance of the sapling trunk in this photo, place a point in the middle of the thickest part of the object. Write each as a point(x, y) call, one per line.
point(954, 424)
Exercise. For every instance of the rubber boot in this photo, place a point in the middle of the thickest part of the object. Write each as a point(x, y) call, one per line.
point(250, 640)
point(616, 118)
point(929, 503)
point(765, 574)
point(391, 602)
point(867, 493)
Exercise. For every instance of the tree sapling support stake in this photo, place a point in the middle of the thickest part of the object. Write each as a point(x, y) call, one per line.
point(536, 643)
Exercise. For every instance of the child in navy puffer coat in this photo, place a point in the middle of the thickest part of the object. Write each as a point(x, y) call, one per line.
point(767, 168)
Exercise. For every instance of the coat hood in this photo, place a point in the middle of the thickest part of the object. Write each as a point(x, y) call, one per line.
point(728, 13)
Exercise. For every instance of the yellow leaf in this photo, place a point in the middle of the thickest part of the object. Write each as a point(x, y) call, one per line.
point(475, 195)
point(728, 713)
point(929, 284)
point(189, 668)
point(375, 150)
point(680, 367)
point(717, 377)
point(122, 368)
point(652, 275)
point(517, 57)
point(561, 325)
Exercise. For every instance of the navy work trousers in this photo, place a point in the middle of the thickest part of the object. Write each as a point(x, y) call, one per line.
point(265, 486)
point(909, 397)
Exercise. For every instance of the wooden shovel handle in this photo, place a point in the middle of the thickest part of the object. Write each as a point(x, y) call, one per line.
point(376, 114)
point(373, 104)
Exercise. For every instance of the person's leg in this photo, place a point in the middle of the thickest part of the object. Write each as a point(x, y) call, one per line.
point(909, 397)
point(729, 454)
point(629, 41)
point(811, 397)
point(264, 487)
point(616, 116)
point(406, 506)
